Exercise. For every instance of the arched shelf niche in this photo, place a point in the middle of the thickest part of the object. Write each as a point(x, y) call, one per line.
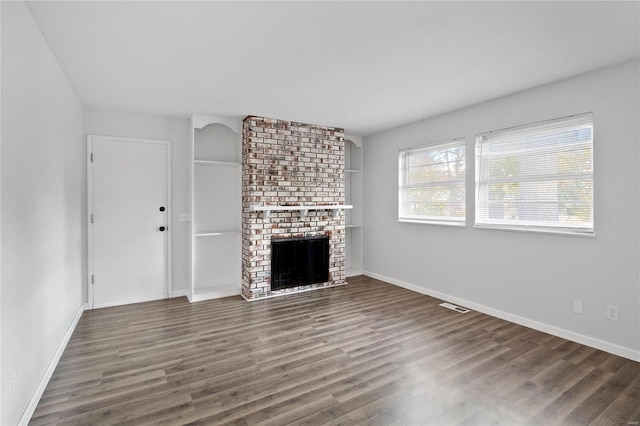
point(216, 212)
point(353, 196)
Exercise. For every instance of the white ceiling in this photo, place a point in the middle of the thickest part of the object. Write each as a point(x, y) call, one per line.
point(364, 66)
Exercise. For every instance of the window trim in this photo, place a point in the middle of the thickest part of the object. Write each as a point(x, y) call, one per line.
point(533, 227)
point(402, 187)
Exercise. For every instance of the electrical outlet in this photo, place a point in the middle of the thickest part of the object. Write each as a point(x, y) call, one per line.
point(612, 312)
point(577, 306)
point(14, 381)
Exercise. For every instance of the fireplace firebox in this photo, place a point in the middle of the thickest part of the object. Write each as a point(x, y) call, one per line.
point(299, 261)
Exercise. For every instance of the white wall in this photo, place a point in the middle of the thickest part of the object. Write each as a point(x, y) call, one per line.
point(176, 130)
point(533, 276)
point(1, 380)
point(43, 201)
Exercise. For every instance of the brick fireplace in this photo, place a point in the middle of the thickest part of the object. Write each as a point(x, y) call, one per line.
point(287, 163)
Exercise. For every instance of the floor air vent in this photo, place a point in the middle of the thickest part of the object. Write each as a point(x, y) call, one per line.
point(455, 308)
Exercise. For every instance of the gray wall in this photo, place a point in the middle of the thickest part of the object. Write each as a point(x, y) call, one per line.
point(43, 208)
point(176, 130)
point(531, 276)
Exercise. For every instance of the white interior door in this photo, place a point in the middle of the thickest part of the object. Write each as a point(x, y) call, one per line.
point(128, 199)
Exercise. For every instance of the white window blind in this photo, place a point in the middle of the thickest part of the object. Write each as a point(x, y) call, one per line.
point(432, 183)
point(537, 177)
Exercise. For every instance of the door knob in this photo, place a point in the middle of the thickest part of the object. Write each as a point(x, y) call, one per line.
point(162, 208)
point(161, 229)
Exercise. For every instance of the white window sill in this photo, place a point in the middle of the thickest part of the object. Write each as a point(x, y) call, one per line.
point(433, 222)
point(536, 230)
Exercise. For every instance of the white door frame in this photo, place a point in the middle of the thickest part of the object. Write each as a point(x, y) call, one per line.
point(90, 139)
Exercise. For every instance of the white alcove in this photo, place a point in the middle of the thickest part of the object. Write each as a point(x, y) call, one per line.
point(216, 213)
point(353, 197)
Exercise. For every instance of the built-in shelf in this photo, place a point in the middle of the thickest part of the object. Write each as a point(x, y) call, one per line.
point(215, 234)
point(216, 208)
point(217, 163)
point(266, 210)
point(353, 195)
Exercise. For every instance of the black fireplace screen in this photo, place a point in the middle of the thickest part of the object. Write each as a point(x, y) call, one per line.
point(299, 261)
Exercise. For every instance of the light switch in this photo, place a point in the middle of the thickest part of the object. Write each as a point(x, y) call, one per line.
point(577, 306)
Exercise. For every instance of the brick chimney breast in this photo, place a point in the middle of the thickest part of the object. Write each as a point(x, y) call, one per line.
point(287, 163)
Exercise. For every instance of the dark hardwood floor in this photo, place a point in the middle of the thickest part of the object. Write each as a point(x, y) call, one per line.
point(365, 353)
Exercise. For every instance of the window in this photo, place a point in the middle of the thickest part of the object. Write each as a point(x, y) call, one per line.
point(432, 183)
point(537, 177)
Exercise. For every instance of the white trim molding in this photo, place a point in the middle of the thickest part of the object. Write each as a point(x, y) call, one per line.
point(44, 381)
point(179, 293)
point(200, 121)
point(356, 140)
point(602, 345)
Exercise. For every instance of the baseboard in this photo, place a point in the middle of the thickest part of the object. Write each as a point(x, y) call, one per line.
point(602, 345)
point(179, 293)
point(129, 302)
point(33, 402)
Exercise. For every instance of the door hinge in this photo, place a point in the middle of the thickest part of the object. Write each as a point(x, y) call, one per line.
point(92, 157)
point(91, 217)
point(92, 279)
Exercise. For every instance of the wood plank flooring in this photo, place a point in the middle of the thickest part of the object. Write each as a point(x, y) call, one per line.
point(366, 353)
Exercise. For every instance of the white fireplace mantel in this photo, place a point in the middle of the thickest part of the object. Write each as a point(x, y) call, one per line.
point(266, 210)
